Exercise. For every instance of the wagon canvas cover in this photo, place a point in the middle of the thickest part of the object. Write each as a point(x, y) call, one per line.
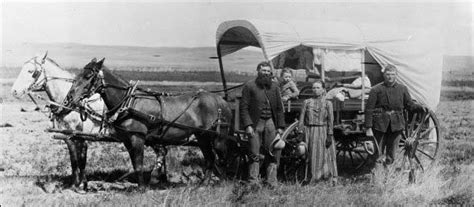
point(416, 53)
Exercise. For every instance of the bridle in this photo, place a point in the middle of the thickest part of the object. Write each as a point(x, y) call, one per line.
point(39, 84)
point(96, 84)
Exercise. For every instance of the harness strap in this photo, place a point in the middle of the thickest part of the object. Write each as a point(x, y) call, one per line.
point(168, 125)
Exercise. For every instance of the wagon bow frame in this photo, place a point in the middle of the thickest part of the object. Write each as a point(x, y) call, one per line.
point(416, 53)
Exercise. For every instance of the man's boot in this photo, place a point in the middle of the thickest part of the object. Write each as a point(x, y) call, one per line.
point(254, 169)
point(272, 175)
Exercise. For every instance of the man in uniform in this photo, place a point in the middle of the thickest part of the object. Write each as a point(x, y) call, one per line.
point(261, 114)
point(384, 113)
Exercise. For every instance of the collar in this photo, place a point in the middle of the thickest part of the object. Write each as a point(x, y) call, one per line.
point(392, 86)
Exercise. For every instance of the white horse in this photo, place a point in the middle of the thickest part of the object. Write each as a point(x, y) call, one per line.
point(43, 74)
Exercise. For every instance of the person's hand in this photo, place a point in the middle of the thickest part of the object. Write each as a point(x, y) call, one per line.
point(300, 135)
point(423, 109)
point(249, 130)
point(369, 132)
point(280, 131)
point(329, 141)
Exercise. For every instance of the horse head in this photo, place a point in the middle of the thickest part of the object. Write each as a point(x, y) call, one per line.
point(88, 82)
point(31, 78)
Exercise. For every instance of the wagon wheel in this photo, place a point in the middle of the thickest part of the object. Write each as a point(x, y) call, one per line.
point(236, 162)
point(419, 143)
point(354, 152)
point(292, 166)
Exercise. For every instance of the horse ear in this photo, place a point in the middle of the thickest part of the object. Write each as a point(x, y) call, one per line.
point(44, 57)
point(100, 63)
point(94, 60)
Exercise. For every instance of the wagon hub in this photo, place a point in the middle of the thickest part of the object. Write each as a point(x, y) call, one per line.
point(410, 146)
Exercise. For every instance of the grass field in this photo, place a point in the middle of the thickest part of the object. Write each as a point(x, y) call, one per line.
point(33, 163)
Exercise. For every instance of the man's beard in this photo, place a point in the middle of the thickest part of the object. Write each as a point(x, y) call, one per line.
point(264, 81)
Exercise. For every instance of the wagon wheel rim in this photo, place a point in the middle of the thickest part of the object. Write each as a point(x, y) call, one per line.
point(419, 143)
point(351, 152)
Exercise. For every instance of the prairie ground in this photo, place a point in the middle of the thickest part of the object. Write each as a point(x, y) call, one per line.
point(34, 169)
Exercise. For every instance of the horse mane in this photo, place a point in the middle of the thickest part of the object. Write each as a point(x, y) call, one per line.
point(60, 71)
point(114, 76)
point(52, 61)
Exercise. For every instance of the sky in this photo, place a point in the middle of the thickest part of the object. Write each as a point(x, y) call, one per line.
point(194, 24)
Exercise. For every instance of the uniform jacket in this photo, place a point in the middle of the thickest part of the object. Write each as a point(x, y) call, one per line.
point(253, 100)
point(317, 112)
point(385, 107)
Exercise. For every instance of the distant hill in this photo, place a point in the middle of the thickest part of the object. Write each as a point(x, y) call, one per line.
point(72, 55)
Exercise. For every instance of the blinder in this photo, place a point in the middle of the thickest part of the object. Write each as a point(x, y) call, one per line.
point(36, 74)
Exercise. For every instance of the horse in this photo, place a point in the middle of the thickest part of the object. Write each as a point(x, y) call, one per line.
point(142, 117)
point(44, 74)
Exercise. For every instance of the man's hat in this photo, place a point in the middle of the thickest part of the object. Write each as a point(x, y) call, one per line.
point(277, 143)
point(301, 149)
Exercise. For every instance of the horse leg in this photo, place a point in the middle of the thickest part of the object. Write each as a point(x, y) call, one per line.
point(209, 157)
point(159, 170)
point(73, 155)
point(135, 146)
point(82, 154)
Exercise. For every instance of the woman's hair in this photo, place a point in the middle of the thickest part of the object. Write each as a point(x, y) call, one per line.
point(320, 82)
point(286, 70)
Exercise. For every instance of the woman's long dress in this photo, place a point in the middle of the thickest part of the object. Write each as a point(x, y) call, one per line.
point(317, 118)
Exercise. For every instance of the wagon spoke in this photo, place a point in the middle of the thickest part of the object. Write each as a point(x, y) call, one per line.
point(425, 117)
point(422, 135)
point(425, 153)
point(412, 125)
point(419, 163)
point(352, 158)
point(404, 160)
point(360, 155)
point(344, 158)
point(427, 142)
point(405, 117)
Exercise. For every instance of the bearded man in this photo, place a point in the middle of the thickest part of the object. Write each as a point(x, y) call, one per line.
point(261, 114)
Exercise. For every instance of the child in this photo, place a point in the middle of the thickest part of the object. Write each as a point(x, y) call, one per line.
point(287, 86)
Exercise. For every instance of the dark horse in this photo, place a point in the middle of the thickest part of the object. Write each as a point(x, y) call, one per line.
point(142, 118)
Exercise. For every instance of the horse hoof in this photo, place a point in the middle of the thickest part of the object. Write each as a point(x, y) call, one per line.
point(141, 189)
point(78, 190)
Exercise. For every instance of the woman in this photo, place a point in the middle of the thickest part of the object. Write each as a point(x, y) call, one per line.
point(316, 118)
